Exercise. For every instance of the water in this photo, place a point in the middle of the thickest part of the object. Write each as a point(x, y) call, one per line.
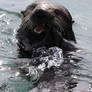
point(9, 22)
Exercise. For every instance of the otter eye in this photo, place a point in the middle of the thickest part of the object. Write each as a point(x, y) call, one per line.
point(57, 12)
point(33, 6)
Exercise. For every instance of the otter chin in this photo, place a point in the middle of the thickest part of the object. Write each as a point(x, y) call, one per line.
point(45, 24)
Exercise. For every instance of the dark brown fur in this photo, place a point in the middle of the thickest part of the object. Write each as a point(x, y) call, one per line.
point(57, 30)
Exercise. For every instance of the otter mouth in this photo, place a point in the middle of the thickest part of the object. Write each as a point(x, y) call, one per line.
point(39, 28)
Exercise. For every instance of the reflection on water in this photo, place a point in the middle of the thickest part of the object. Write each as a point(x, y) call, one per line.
point(81, 71)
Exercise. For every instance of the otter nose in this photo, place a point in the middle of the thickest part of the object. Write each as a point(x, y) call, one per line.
point(40, 15)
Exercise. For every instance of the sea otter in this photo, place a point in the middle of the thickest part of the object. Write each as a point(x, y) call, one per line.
point(45, 24)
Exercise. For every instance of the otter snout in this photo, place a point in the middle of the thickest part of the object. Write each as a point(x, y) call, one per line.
point(41, 16)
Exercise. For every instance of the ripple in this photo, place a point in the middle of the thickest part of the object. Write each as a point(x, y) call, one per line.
point(4, 20)
point(2, 15)
point(15, 84)
point(1, 62)
point(11, 12)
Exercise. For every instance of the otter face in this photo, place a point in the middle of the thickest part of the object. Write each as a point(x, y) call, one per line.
point(45, 24)
point(40, 15)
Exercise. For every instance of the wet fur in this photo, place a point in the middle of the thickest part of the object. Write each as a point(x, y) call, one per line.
point(58, 30)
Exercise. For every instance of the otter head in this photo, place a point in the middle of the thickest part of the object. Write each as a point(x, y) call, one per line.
point(40, 15)
point(45, 24)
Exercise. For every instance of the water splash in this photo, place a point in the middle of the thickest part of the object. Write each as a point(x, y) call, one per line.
point(35, 67)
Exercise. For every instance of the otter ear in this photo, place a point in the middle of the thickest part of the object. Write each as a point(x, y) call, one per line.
point(23, 13)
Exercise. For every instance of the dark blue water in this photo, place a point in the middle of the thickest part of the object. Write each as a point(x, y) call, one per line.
point(9, 21)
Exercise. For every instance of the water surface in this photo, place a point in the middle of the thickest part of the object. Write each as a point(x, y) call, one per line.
point(9, 22)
